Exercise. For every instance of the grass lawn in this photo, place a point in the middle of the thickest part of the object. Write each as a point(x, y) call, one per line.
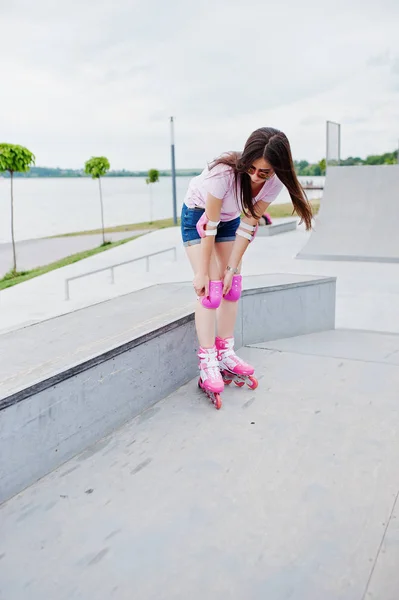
point(285, 210)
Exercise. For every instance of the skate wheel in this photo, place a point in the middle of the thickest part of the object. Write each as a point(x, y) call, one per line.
point(199, 383)
point(239, 383)
point(254, 383)
point(226, 377)
point(217, 402)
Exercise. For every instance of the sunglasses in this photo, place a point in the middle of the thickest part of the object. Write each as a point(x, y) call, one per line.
point(261, 174)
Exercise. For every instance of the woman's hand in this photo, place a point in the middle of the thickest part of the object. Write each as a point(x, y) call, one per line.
point(227, 281)
point(201, 284)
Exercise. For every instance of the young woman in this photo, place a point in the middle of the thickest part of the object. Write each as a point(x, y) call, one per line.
point(216, 238)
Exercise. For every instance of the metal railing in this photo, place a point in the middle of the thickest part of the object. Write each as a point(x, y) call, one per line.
point(112, 268)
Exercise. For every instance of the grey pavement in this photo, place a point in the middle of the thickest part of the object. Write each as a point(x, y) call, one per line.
point(40, 252)
point(287, 493)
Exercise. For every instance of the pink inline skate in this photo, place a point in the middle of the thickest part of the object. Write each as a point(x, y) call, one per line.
point(232, 367)
point(210, 380)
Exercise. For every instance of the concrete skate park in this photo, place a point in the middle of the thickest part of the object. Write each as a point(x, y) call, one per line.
point(119, 479)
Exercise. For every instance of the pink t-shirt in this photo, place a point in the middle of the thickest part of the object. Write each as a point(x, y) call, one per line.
point(219, 182)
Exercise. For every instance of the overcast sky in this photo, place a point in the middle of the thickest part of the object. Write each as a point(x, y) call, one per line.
point(88, 77)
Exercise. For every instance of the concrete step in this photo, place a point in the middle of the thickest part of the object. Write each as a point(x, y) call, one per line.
point(68, 381)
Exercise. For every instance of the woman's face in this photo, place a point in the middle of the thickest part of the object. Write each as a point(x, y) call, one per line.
point(260, 170)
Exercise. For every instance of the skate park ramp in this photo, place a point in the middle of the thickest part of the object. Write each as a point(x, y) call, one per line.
point(358, 217)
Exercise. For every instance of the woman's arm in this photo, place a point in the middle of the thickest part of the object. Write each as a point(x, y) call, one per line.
point(213, 207)
point(242, 243)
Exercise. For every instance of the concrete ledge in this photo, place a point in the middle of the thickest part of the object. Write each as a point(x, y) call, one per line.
point(278, 226)
point(348, 258)
point(54, 405)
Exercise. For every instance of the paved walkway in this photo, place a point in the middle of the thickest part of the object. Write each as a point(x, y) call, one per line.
point(289, 492)
point(41, 252)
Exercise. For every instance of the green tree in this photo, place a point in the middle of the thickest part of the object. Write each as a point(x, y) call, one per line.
point(153, 177)
point(390, 158)
point(311, 171)
point(97, 167)
point(14, 159)
point(322, 166)
point(374, 159)
point(300, 166)
point(351, 161)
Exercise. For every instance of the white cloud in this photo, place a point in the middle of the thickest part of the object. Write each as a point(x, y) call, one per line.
point(88, 77)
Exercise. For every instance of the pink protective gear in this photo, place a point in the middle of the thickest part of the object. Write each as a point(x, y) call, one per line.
point(202, 226)
point(247, 231)
point(210, 376)
point(233, 295)
point(228, 359)
point(215, 295)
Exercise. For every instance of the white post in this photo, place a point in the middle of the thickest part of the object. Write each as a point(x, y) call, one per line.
point(172, 146)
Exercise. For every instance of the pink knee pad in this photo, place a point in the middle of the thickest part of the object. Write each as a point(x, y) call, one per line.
point(215, 295)
point(235, 291)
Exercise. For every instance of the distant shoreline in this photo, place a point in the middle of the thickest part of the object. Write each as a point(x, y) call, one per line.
point(136, 174)
point(48, 173)
point(303, 169)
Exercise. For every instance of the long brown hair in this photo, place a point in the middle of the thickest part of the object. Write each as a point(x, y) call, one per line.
point(272, 145)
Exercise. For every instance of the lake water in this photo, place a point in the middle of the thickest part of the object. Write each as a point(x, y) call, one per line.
point(45, 206)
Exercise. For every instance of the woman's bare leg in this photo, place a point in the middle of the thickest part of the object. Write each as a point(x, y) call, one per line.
point(226, 319)
point(227, 311)
point(205, 318)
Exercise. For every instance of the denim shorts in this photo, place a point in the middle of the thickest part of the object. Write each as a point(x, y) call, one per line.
point(190, 216)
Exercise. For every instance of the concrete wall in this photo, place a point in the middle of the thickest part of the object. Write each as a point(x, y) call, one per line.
point(54, 420)
point(286, 311)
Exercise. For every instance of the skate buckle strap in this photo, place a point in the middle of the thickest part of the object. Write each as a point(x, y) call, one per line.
point(210, 363)
point(228, 352)
point(228, 345)
point(208, 358)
